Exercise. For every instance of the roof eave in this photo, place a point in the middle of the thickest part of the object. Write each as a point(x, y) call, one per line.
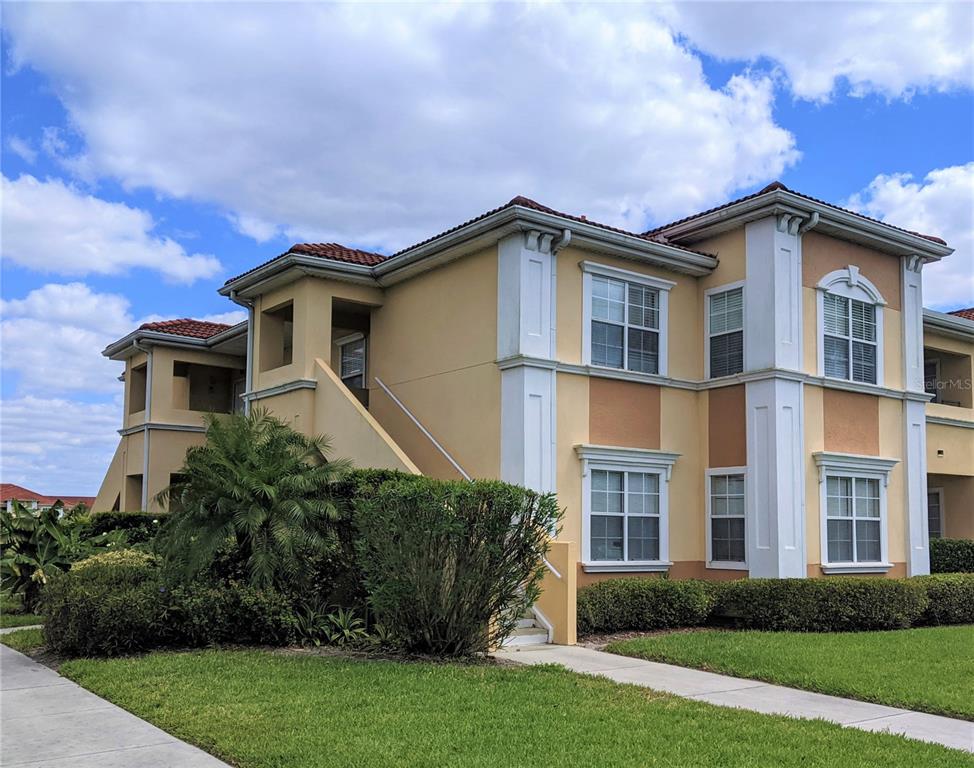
point(948, 325)
point(833, 220)
point(288, 267)
point(126, 346)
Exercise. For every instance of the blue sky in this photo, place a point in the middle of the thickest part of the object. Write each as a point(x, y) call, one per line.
point(149, 152)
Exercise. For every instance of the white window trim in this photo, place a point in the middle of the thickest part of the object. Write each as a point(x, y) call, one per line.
point(626, 460)
point(590, 268)
point(854, 465)
point(850, 284)
point(723, 564)
point(706, 323)
point(940, 495)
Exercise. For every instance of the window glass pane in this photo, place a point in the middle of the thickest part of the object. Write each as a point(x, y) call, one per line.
point(839, 496)
point(727, 540)
point(643, 351)
point(606, 537)
point(606, 344)
point(643, 494)
point(643, 306)
point(608, 300)
point(736, 540)
point(867, 541)
point(867, 497)
point(726, 354)
point(718, 506)
point(643, 538)
point(836, 312)
point(352, 358)
point(933, 515)
point(863, 362)
point(840, 541)
point(863, 321)
point(727, 311)
point(836, 358)
point(606, 492)
point(735, 485)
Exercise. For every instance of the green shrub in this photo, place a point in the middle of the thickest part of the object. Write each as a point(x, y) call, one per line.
point(106, 605)
point(204, 614)
point(951, 556)
point(835, 604)
point(119, 602)
point(951, 598)
point(450, 566)
point(139, 527)
point(617, 605)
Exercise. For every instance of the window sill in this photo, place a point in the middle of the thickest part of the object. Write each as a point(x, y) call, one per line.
point(621, 567)
point(840, 568)
point(732, 565)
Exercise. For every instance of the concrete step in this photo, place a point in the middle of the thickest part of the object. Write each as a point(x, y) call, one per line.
point(526, 622)
point(527, 636)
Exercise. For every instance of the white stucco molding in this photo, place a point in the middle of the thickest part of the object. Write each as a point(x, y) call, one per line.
point(867, 466)
point(851, 283)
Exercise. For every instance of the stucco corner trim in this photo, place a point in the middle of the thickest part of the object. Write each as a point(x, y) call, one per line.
point(646, 458)
point(604, 270)
point(623, 567)
point(948, 422)
point(850, 568)
point(852, 462)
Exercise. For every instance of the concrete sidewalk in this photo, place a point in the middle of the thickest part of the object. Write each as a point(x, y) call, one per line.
point(8, 630)
point(50, 722)
point(751, 694)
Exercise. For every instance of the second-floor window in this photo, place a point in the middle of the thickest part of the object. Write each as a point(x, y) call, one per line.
point(725, 332)
point(625, 319)
point(352, 371)
point(850, 339)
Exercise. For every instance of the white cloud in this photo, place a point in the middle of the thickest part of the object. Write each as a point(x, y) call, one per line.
point(49, 226)
point(891, 49)
point(57, 446)
point(22, 148)
point(942, 204)
point(380, 124)
point(53, 338)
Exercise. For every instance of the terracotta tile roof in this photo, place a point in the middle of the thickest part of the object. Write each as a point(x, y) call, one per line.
point(328, 251)
point(526, 202)
point(967, 314)
point(777, 185)
point(10, 491)
point(337, 252)
point(196, 329)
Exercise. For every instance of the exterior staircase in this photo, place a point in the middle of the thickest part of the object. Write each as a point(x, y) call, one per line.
point(529, 632)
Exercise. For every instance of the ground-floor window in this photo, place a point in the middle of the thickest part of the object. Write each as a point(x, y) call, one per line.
point(625, 507)
point(726, 517)
point(935, 512)
point(854, 520)
point(853, 511)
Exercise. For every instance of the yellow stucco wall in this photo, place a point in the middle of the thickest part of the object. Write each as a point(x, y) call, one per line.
point(433, 342)
point(950, 449)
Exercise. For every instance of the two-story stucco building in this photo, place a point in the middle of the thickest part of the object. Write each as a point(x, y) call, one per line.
point(753, 390)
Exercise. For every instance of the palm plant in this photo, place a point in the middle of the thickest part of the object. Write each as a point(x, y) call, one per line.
point(36, 544)
point(258, 486)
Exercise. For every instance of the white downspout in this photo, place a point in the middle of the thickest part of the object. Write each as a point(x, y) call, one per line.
point(249, 367)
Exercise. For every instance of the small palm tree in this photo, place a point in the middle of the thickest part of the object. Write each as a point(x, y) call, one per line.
point(259, 485)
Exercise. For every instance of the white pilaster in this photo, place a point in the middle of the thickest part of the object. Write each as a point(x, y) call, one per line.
point(773, 298)
point(775, 491)
point(915, 451)
point(912, 300)
point(526, 326)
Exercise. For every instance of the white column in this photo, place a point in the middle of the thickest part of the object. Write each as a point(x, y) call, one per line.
point(526, 327)
point(776, 479)
point(773, 315)
point(773, 296)
point(914, 420)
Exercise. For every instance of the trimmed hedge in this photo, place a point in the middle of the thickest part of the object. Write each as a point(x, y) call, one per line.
point(139, 527)
point(951, 598)
point(118, 603)
point(822, 605)
point(951, 556)
point(638, 604)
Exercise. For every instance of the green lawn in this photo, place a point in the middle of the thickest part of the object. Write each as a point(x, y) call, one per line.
point(929, 669)
point(19, 619)
point(260, 709)
point(23, 640)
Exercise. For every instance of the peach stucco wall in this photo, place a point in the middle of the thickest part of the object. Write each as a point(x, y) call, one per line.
point(851, 422)
point(624, 413)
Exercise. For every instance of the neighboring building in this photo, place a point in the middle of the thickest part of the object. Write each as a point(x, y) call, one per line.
point(10, 493)
point(741, 392)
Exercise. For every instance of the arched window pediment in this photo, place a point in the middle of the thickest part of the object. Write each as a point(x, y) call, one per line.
point(852, 284)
